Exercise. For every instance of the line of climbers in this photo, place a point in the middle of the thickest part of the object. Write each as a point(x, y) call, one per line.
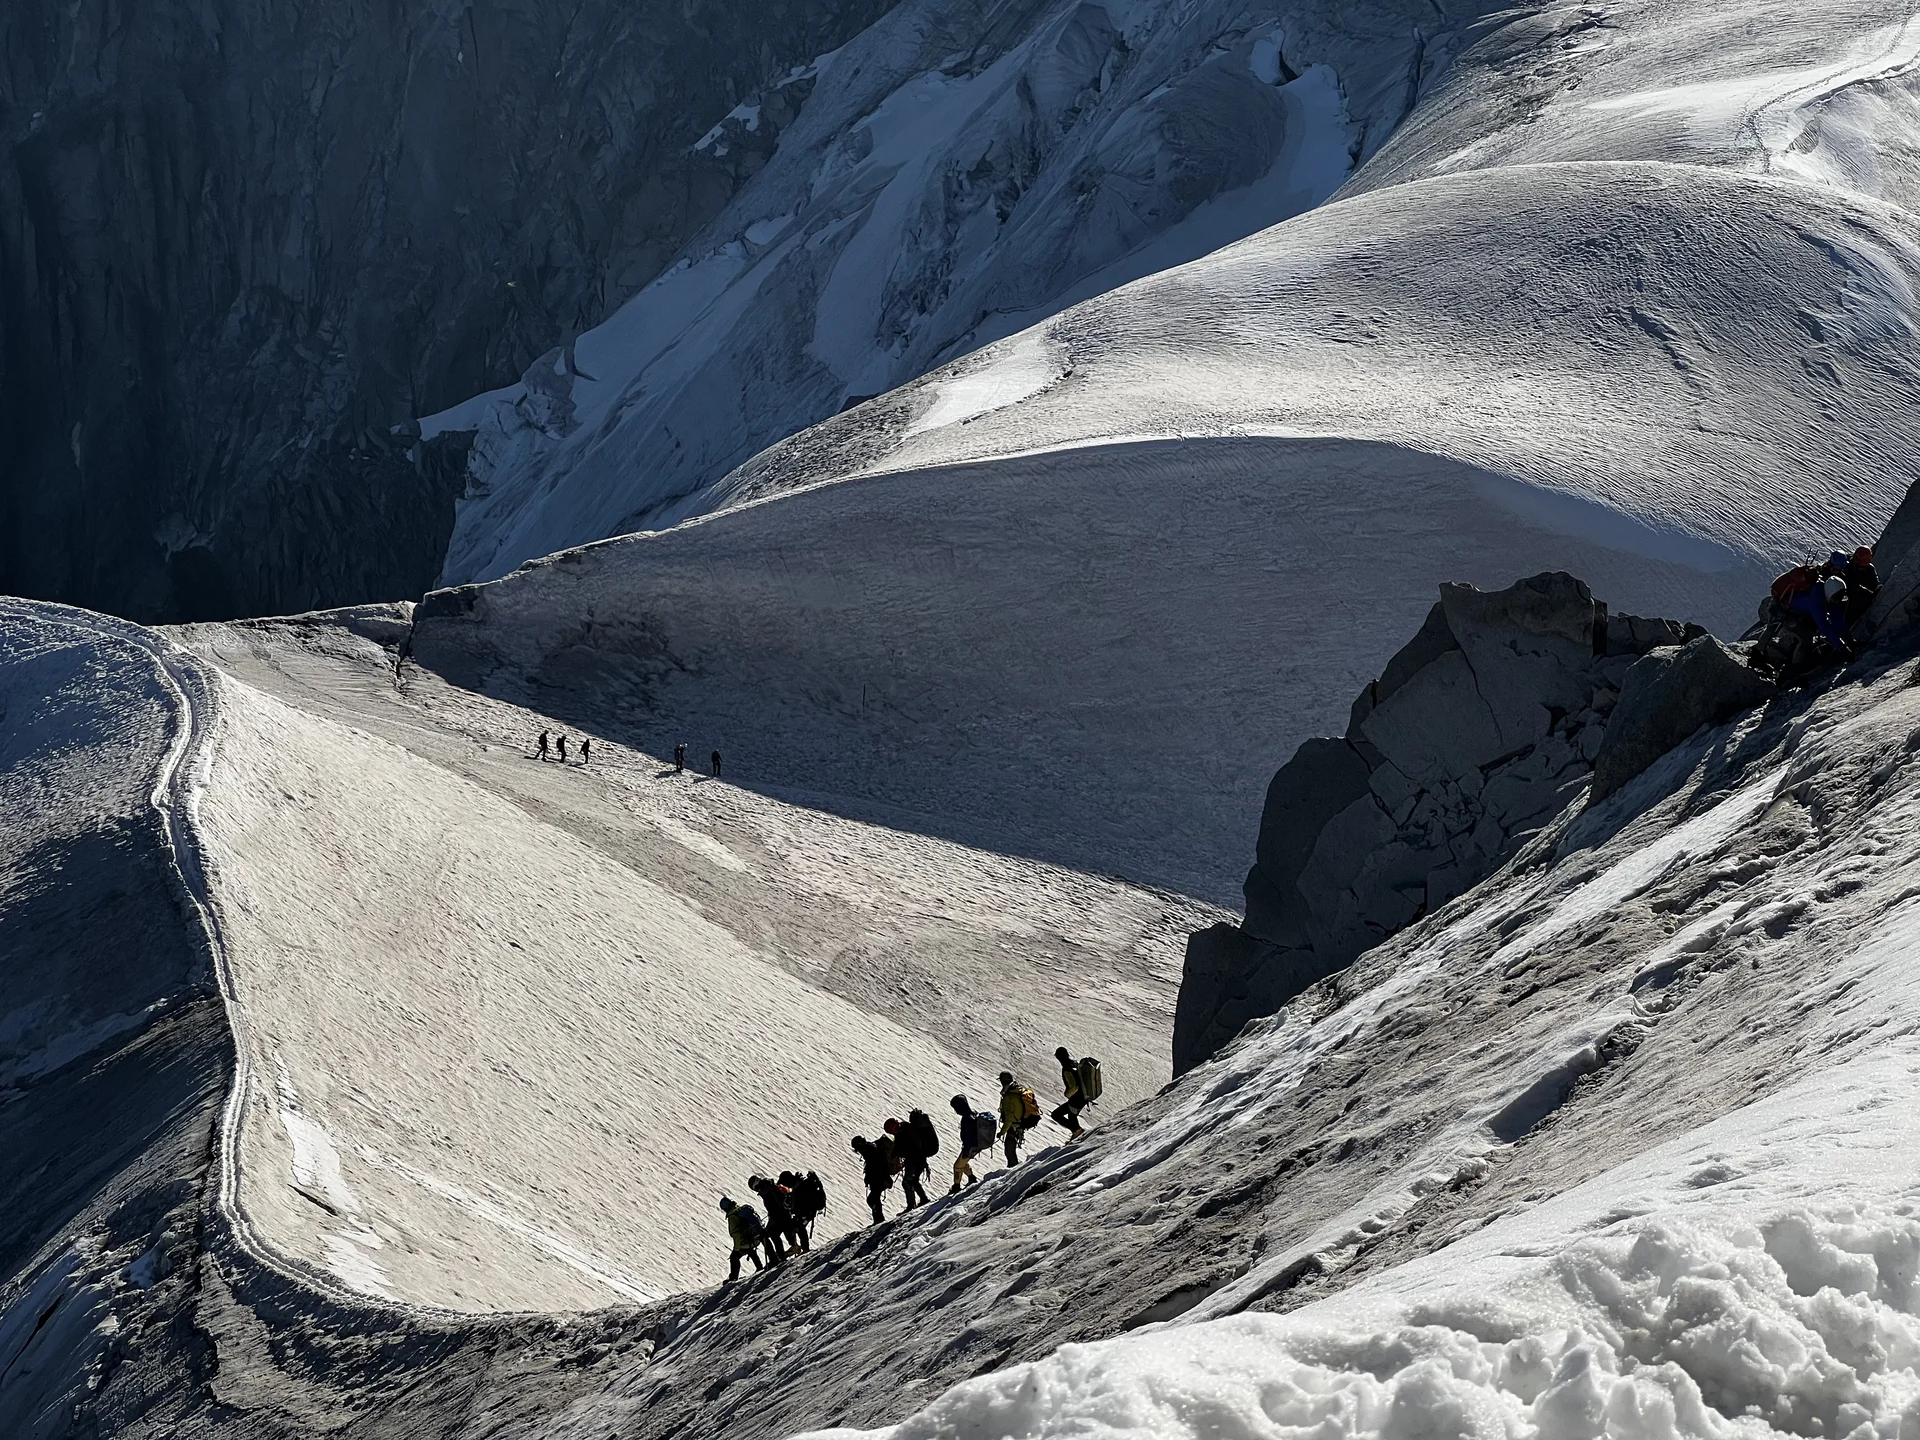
point(586, 748)
point(546, 743)
point(1808, 621)
point(903, 1151)
point(793, 1203)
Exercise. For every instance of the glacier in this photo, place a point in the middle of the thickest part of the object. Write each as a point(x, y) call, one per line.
point(953, 177)
point(366, 1075)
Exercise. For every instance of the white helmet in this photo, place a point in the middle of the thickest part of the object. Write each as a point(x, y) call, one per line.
point(1833, 588)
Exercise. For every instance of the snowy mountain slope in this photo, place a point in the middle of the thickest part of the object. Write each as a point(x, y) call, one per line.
point(113, 1049)
point(956, 173)
point(1827, 100)
point(1647, 348)
point(565, 458)
point(1638, 1096)
point(1720, 1134)
point(510, 1029)
point(1625, 1128)
point(1096, 658)
point(1045, 592)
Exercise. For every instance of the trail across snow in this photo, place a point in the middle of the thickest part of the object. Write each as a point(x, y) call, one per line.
point(518, 1025)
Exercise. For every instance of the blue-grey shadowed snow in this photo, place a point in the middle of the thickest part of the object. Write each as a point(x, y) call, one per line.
point(1601, 525)
point(1095, 657)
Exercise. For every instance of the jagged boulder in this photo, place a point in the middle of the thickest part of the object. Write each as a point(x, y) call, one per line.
point(1480, 730)
point(1668, 695)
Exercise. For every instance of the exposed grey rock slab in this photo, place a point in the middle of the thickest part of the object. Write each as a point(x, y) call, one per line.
point(1479, 731)
point(1668, 695)
point(1325, 778)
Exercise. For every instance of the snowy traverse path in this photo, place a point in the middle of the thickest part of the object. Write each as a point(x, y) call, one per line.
point(178, 784)
point(511, 1028)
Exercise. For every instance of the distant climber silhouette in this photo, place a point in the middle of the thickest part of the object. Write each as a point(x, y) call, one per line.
point(563, 749)
point(716, 764)
point(679, 758)
point(543, 744)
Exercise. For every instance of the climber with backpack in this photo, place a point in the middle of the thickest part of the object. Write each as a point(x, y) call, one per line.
point(977, 1130)
point(778, 1200)
point(1081, 1080)
point(914, 1144)
point(1862, 582)
point(809, 1202)
point(1019, 1113)
point(876, 1158)
point(1805, 624)
point(746, 1232)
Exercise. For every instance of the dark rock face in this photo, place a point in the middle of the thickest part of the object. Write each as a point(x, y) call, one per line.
point(241, 244)
point(1477, 733)
point(1665, 698)
point(1897, 556)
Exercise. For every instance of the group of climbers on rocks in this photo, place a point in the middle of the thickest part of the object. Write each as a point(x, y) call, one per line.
point(792, 1204)
point(1809, 620)
point(904, 1151)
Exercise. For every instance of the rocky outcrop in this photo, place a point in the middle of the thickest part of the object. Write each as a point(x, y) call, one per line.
point(242, 244)
point(1665, 697)
point(1896, 610)
point(1480, 730)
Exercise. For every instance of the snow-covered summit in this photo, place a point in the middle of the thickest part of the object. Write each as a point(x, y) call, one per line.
point(956, 173)
point(1556, 326)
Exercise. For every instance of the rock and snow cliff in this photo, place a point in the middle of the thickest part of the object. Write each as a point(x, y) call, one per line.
point(242, 244)
point(1476, 735)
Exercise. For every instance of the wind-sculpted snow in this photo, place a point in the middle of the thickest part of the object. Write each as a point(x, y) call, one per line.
point(1633, 340)
point(957, 173)
point(1689, 364)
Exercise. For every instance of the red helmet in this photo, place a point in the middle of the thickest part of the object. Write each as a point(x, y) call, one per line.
point(1863, 556)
